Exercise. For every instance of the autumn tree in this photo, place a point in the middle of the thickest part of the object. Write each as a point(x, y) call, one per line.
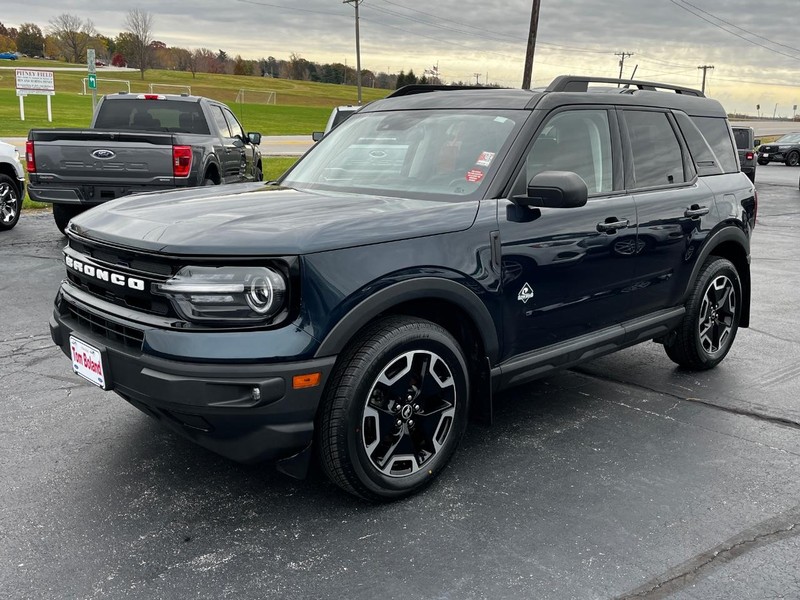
point(139, 24)
point(30, 39)
point(72, 36)
point(7, 44)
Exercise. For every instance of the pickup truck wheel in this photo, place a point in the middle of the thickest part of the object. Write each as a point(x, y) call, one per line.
point(62, 213)
point(209, 182)
point(793, 158)
point(394, 410)
point(709, 327)
point(258, 174)
point(10, 203)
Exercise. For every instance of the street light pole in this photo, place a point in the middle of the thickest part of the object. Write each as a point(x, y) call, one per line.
point(355, 3)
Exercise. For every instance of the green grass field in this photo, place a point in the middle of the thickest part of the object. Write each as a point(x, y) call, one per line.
point(302, 106)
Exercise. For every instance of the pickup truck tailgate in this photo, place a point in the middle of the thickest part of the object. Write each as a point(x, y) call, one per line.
point(92, 157)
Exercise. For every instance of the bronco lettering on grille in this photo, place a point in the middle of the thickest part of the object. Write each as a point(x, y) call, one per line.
point(104, 275)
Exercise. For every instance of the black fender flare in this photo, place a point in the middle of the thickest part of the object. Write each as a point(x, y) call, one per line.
point(414, 289)
point(715, 240)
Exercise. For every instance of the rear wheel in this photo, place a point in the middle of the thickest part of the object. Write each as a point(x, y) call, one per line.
point(793, 158)
point(10, 203)
point(713, 311)
point(62, 213)
point(394, 410)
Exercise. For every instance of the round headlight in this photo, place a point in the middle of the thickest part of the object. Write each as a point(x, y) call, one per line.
point(261, 296)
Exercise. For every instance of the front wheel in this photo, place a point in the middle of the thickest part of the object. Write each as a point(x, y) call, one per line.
point(394, 410)
point(713, 311)
point(763, 162)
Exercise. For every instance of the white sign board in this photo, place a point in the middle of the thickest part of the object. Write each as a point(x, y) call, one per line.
point(33, 81)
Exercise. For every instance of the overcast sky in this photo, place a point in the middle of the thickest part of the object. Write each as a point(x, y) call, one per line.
point(757, 60)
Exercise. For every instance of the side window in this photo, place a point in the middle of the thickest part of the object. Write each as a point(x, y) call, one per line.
point(233, 123)
point(219, 119)
point(704, 158)
point(718, 134)
point(577, 141)
point(657, 157)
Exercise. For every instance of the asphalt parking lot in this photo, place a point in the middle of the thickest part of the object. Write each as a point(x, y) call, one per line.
point(626, 477)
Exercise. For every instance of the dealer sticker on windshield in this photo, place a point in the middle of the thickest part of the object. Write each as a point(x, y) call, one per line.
point(485, 159)
point(87, 361)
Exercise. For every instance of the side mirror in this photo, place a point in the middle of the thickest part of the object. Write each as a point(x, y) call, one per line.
point(756, 143)
point(554, 189)
point(317, 135)
point(254, 137)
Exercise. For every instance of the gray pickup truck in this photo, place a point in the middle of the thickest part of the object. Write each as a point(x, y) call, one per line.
point(139, 143)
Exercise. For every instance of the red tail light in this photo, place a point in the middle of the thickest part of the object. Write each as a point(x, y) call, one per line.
point(749, 156)
point(153, 97)
point(181, 161)
point(30, 157)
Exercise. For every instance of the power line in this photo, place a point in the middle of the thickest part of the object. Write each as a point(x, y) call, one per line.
point(747, 31)
point(718, 26)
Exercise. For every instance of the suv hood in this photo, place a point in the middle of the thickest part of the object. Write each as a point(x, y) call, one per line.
point(254, 219)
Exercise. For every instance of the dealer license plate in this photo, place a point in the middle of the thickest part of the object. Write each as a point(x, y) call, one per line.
point(765, 155)
point(87, 361)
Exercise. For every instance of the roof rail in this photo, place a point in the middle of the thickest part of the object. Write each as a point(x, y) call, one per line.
point(421, 88)
point(577, 83)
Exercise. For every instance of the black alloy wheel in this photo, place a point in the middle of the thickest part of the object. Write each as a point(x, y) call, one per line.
point(394, 410)
point(10, 203)
point(712, 317)
point(793, 158)
point(763, 162)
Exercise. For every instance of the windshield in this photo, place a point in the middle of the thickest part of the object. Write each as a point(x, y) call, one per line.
point(450, 154)
point(789, 138)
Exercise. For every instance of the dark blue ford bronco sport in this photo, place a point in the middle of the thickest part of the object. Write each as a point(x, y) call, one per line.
point(435, 248)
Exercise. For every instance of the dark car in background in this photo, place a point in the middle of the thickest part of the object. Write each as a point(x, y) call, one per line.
point(746, 148)
point(785, 149)
point(139, 143)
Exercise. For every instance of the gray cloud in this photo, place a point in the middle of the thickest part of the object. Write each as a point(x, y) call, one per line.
point(469, 36)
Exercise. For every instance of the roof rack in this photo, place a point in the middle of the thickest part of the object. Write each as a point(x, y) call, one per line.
point(421, 88)
point(575, 83)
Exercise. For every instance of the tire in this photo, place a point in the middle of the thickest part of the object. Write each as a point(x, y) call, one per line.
point(763, 162)
point(792, 159)
point(62, 213)
point(380, 436)
point(10, 203)
point(208, 181)
point(709, 327)
point(258, 174)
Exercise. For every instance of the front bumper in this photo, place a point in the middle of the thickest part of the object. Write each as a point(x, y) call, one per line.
point(213, 404)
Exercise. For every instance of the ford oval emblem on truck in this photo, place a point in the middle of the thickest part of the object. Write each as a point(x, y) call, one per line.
point(103, 154)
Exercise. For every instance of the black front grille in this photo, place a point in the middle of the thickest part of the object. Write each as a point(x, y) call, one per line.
point(114, 332)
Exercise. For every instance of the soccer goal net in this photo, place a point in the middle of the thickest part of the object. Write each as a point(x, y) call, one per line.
point(169, 88)
point(248, 96)
point(107, 86)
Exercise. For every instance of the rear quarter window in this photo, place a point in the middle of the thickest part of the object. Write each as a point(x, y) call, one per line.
point(718, 135)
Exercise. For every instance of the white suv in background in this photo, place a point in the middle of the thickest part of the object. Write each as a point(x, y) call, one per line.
point(12, 186)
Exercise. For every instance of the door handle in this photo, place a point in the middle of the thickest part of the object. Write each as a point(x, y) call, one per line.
point(695, 211)
point(612, 224)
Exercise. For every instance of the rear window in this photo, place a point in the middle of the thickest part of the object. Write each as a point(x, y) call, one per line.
point(743, 138)
point(718, 136)
point(151, 115)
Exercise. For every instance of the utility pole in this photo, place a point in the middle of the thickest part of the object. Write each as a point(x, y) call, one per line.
point(705, 68)
point(526, 76)
point(355, 3)
point(622, 56)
